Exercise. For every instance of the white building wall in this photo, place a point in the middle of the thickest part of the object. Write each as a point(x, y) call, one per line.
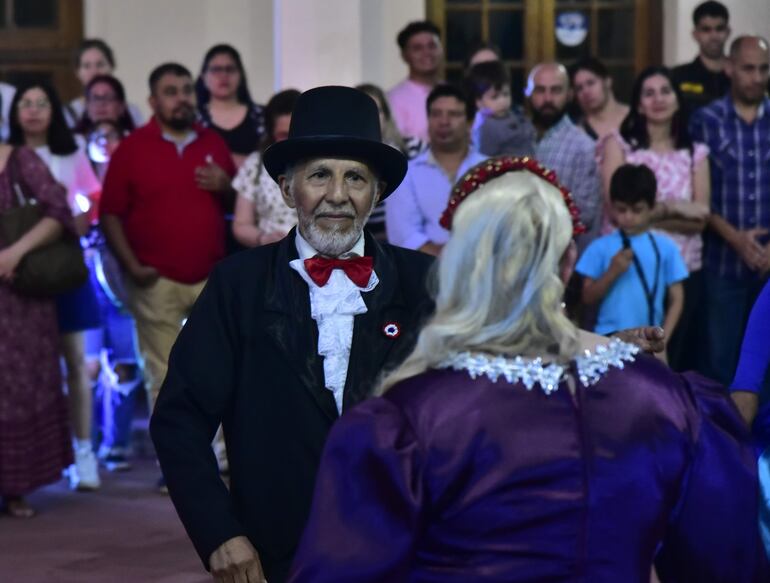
point(317, 42)
point(746, 17)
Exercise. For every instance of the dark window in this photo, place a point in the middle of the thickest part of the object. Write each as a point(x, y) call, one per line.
point(35, 13)
point(463, 31)
point(505, 32)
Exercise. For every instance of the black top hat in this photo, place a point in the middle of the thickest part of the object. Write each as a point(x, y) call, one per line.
point(337, 121)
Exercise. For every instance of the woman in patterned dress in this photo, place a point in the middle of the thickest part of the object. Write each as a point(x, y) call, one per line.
point(261, 216)
point(654, 134)
point(502, 450)
point(36, 121)
point(35, 441)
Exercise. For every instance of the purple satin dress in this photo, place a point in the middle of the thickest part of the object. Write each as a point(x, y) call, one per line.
point(453, 479)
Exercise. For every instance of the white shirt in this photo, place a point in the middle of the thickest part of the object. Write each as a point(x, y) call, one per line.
point(334, 307)
point(74, 171)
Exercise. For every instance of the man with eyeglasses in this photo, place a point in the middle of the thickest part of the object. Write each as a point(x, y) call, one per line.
point(704, 79)
point(162, 213)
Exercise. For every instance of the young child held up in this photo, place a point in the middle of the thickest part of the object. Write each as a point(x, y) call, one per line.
point(632, 271)
point(497, 129)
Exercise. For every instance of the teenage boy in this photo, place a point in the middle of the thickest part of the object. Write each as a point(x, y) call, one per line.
point(631, 271)
point(497, 129)
point(703, 80)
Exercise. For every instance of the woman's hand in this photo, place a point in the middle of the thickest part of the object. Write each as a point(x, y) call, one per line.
point(650, 339)
point(266, 237)
point(685, 209)
point(9, 261)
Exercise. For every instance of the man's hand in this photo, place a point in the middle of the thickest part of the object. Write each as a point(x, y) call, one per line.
point(749, 249)
point(236, 561)
point(649, 338)
point(212, 177)
point(621, 261)
point(431, 249)
point(747, 404)
point(144, 275)
point(9, 261)
point(765, 269)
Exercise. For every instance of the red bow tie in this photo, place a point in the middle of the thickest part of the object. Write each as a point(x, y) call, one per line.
point(358, 269)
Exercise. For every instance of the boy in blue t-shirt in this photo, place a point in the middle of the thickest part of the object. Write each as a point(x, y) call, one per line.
point(631, 271)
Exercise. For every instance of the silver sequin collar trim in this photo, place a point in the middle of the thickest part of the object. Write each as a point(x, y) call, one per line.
point(591, 366)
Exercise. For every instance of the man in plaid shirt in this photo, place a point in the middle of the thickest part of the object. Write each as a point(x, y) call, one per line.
point(562, 146)
point(736, 129)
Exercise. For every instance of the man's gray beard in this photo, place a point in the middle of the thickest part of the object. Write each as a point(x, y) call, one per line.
point(331, 243)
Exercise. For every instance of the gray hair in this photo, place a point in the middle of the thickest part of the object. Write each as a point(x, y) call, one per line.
point(499, 290)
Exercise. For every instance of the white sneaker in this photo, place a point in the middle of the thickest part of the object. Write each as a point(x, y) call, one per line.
point(84, 473)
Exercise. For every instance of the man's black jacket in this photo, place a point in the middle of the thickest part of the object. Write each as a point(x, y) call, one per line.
point(247, 357)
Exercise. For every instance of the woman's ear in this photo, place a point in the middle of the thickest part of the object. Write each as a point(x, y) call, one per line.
point(567, 263)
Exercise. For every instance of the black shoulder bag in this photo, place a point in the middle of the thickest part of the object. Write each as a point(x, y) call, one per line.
point(52, 269)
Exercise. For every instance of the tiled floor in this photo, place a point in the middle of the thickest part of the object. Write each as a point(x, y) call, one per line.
point(123, 533)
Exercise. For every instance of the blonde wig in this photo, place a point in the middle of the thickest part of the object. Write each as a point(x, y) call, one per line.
point(499, 290)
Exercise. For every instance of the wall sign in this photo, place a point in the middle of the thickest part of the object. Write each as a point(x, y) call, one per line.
point(571, 28)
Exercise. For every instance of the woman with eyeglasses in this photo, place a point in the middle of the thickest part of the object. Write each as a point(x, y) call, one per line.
point(35, 439)
point(94, 57)
point(225, 104)
point(37, 122)
point(105, 101)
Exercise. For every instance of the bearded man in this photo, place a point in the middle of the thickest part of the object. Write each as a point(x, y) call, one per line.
point(288, 336)
point(284, 338)
point(562, 146)
point(162, 213)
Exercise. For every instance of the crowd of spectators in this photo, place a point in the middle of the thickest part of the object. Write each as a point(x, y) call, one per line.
point(673, 189)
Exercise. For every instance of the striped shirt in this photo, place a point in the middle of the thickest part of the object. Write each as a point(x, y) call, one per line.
point(740, 177)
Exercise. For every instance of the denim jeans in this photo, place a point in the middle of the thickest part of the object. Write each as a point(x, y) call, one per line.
point(113, 344)
point(728, 303)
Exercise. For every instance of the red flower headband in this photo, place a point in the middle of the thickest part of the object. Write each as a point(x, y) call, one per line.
point(494, 167)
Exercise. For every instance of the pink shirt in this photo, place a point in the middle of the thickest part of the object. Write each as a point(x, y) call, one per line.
point(673, 171)
point(407, 104)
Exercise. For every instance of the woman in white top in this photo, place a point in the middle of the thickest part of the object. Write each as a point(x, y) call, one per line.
point(37, 121)
point(94, 57)
point(261, 215)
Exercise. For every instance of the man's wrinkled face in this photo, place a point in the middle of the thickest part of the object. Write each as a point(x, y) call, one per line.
point(173, 101)
point(334, 198)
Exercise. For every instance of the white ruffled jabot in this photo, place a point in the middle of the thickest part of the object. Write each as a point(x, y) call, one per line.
point(333, 307)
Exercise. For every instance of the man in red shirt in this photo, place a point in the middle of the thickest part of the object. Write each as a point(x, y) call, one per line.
point(162, 212)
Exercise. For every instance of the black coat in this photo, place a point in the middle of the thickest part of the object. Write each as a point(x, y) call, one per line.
point(247, 357)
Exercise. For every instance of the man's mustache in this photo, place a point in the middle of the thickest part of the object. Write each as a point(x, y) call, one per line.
point(346, 209)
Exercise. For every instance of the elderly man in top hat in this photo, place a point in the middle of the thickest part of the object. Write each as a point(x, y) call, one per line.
point(286, 337)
